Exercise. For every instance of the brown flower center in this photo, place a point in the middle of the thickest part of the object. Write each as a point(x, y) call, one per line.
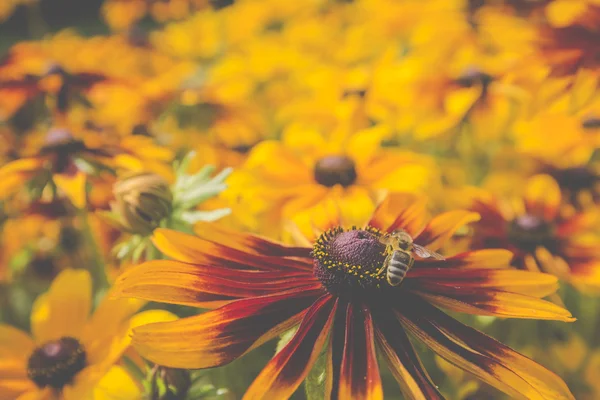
point(335, 170)
point(349, 262)
point(62, 144)
point(528, 231)
point(591, 123)
point(56, 363)
point(576, 179)
point(474, 76)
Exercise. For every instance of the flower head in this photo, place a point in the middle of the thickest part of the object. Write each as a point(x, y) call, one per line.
point(70, 353)
point(290, 179)
point(335, 292)
point(541, 238)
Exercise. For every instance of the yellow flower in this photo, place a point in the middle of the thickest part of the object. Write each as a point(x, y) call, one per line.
point(286, 179)
point(71, 355)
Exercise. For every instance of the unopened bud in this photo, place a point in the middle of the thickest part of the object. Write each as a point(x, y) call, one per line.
point(176, 384)
point(142, 201)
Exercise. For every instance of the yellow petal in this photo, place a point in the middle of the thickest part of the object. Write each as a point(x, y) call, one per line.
point(14, 343)
point(443, 226)
point(106, 350)
point(64, 309)
point(562, 13)
point(73, 186)
point(542, 196)
point(117, 384)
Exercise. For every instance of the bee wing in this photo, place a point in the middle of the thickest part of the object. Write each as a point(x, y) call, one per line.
point(426, 253)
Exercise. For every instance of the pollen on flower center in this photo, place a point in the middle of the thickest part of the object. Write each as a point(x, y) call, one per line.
point(335, 170)
point(56, 363)
point(530, 231)
point(348, 263)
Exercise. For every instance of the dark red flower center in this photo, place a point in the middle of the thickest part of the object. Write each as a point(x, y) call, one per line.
point(56, 363)
point(473, 76)
point(591, 123)
point(576, 179)
point(348, 263)
point(335, 170)
point(61, 144)
point(528, 231)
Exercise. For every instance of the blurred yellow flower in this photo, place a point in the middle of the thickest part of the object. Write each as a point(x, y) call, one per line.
point(71, 355)
point(286, 179)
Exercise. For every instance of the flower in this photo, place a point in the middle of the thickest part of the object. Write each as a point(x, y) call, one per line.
point(540, 237)
point(145, 201)
point(336, 293)
point(67, 158)
point(288, 179)
point(71, 355)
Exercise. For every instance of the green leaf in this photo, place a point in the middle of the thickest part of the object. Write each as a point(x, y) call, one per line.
point(285, 338)
point(314, 384)
point(191, 217)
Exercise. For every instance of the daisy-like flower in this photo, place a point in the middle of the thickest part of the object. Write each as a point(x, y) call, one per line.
point(71, 355)
point(540, 237)
point(68, 157)
point(337, 294)
point(289, 179)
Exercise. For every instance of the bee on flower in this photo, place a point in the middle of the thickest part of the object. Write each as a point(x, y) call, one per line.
point(344, 307)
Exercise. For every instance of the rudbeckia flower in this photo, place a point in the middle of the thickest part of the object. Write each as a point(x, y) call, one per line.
point(540, 237)
point(70, 355)
point(337, 293)
point(286, 180)
point(68, 157)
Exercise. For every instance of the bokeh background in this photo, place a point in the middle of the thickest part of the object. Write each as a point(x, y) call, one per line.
point(295, 111)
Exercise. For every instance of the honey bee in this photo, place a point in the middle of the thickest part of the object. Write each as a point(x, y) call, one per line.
point(400, 260)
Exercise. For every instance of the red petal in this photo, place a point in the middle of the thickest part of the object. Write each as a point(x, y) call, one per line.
point(542, 196)
point(483, 356)
point(286, 371)
point(448, 280)
point(442, 227)
point(194, 250)
point(402, 360)
point(488, 258)
point(359, 373)
point(400, 211)
point(175, 282)
point(249, 243)
point(222, 335)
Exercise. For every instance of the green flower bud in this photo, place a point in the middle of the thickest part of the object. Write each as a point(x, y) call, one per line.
point(142, 202)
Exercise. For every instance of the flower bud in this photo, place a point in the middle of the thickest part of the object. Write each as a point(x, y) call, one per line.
point(142, 202)
point(177, 383)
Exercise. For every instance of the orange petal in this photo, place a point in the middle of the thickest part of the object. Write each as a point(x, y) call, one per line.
point(400, 211)
point(247, 242)
point(505, 305)
point(542, 196)
point(359, 372)
point(222, 335)
point(488, 258)
point(64, 309)
point(449, 280)
point(481, 355)
point(202, 286)
point(286, 371)
point(194, 250)
point(403, 361)
point(442, 227)
point(14, 343)
point(73, 186)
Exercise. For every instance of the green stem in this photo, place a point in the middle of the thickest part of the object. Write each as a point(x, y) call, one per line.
point(96, 263)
